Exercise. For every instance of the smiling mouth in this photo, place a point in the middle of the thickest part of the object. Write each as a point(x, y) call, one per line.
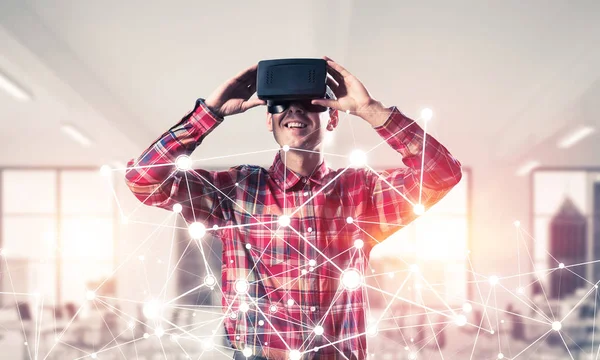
point(295, 125)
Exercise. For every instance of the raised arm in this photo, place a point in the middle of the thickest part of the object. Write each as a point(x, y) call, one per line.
point(393, 194)
point(154, 178)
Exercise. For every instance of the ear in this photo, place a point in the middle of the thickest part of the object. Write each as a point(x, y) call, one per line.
point(333, 119)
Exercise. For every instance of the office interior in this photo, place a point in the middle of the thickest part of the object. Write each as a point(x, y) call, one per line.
point(508, 261)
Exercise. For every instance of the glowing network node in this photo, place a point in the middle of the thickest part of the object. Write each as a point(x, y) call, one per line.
point(412, 356)
point(105, 170)
point(244, 307)
point(561, 266)
point(304, 271)
point(261, 322)
point(419, 209)
point(284, 220)
point(290, 302)
point(141, 258)
point(460, 320)
point(215, 227)
point(311, 269)
point(124, 220)
point(500, 356)
point(174, 338)
point(285, 148)
point(210, 280)
point(358, 158)
point(233, 315)
point(131, 325)
point(248, 246)
point(273, 308)
point(493, 280)
point(359, 244)
point(247, 352)
point(295, 355)
point(159, 331)
point(319, 330)
point(414, 268)
point(467, 307)
point(349, 220)
point(208, 344)
point(146, 335)
point(556, 326)
point(94, 356)
point(197, 230)
point(2, 252)
point(312, 262)
point(183, 163)
point(426, 114)
point(520, 290)
point(90, 295)
point(517, 223)
point(492, 332)
point(372, 330)
point(242, 286)
point(152, 309)
point(351, 279)
point(177, 208)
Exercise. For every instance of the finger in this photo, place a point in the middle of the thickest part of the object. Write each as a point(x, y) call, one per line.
point(252, 87)
point(252, 103)
point(246, 74)
point(326, 103)
point(335, 75)
point(339, 68)
point(332, 83)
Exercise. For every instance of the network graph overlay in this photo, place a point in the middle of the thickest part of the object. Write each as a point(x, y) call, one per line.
point(265, 302)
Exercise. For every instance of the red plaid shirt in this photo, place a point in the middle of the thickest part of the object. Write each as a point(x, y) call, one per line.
point(294, 271)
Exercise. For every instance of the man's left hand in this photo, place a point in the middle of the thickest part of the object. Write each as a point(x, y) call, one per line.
point(352, 95)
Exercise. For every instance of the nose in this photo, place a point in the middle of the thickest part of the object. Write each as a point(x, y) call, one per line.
point(296, 107)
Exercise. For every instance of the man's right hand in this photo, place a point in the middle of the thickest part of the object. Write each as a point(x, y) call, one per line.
point(233, 96)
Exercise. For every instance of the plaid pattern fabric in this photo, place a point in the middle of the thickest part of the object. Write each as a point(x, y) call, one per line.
point(294, 272)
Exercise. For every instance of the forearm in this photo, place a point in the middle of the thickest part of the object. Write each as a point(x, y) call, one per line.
point(420, 150)
point(156, 164)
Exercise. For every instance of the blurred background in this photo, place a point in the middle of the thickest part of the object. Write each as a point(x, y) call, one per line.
point(515, 92)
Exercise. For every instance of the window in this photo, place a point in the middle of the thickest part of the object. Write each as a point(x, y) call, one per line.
point(53, 222)
point(552, 189)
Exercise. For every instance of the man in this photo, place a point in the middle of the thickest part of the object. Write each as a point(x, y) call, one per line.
point(297, 236)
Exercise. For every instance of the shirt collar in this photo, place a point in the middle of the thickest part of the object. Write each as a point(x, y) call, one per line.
point(287, 178)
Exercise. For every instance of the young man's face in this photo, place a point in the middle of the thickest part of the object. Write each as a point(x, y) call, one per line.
point(301, 129)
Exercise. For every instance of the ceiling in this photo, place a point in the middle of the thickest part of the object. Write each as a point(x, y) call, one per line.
point(505, 80)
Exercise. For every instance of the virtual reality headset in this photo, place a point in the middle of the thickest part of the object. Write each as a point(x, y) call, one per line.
point(284, 81)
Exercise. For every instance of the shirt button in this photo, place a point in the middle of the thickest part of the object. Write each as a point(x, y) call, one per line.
point(309, 229)
point(304, 180)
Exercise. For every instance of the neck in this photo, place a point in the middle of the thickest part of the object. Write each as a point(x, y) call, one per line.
point(301, 162)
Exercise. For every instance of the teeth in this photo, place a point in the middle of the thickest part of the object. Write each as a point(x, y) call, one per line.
point(295, 125)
